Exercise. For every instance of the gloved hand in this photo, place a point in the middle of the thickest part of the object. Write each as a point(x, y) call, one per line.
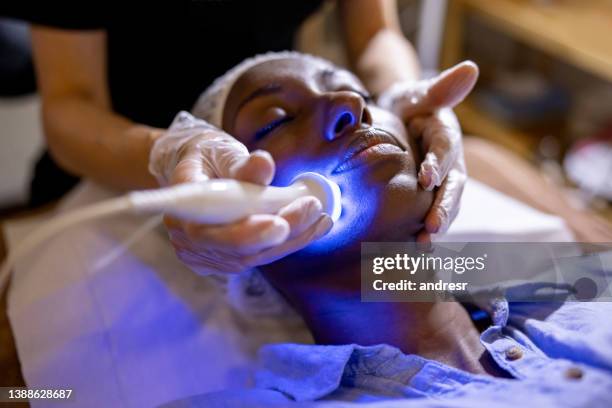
point(192, 151)
point(425, 106)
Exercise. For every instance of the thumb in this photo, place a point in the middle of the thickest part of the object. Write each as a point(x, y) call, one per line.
point(258, 167)
point(446, 90)
point(225, 157)
point(452, 86)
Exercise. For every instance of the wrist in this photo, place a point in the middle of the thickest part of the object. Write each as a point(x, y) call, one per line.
point(153, 134)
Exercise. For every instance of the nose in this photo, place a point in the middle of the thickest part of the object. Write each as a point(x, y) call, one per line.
point(345, 110)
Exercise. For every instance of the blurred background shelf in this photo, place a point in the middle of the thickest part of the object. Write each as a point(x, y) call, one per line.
point(545, 89)
point(573, 32)
point(475, 122)
point(576, 31)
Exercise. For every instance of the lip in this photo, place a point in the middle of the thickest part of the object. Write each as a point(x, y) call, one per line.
point(368, 144)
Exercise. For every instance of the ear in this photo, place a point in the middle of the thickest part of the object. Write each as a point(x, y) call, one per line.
point(451, 87)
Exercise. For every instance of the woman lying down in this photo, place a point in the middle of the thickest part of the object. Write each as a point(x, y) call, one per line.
point(313, 116)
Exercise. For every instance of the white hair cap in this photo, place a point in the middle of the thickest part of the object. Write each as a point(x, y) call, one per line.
point(209, 105)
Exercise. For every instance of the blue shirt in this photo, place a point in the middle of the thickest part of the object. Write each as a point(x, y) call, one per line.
point(559, 354)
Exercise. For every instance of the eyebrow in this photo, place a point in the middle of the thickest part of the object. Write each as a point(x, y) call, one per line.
point(264, 90)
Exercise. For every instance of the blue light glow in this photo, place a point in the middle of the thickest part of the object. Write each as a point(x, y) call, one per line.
point(360, 200)
point(326, 190)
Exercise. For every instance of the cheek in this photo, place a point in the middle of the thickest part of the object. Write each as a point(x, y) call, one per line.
point(405, 206)
point(290, 159)
point(286, 150)
point(287, 168)
point(296, 150)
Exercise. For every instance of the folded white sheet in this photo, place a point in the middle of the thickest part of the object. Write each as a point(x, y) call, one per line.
point(106, 309)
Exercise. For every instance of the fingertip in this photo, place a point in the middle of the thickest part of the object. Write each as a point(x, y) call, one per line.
point(425, 179)
point(306, 207)
point(470, 66)
point(453, 85)
point(429, 176)
point(325, 225)
point(423, 241)
point(276, 233)
point(312, 208)
point(301, 214)
point(433, 222)
point(258, 168)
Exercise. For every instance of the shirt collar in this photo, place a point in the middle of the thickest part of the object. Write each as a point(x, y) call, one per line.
point(309, 372)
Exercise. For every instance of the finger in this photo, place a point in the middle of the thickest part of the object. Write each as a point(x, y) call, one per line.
point(206, 264)
point(250, 235)
point(189, 169)
point(452, 86)
point(440, 143)
point(444, 91)
point(423, 238)
point(301, 214)
point(220, 152)
point(202, 259)
point(423, 241)
point(316, 231)
point(257, 168)
point(446, 203)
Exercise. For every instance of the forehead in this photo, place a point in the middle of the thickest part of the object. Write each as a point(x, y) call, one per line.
point(310, 72)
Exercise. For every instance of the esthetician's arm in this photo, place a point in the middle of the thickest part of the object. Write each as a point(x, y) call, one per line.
point(377, 49)
point(388, 65)
point(83, 134)
point(87, 138)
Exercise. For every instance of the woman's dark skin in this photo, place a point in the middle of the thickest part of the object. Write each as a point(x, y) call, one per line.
point(309, 118)
point(298, 112)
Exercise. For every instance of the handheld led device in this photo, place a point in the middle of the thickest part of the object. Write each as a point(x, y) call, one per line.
point(222, 201)
point(216, 201)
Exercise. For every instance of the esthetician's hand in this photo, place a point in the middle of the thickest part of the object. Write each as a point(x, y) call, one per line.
point(192, 151)
point(426, 108)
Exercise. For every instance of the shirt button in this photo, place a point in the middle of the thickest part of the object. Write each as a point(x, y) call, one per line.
point(514, 353)
point(573, 373)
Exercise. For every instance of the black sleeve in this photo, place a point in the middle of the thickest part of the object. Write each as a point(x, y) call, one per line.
point(78, 15)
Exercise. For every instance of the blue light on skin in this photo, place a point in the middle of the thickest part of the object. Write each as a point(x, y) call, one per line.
point(359, 202)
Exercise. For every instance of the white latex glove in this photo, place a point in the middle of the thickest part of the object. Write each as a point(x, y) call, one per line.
point(192, 150)
point(425, 106)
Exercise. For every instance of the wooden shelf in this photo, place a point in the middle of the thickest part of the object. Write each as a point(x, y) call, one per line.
point(576, 31)
point(475, 122)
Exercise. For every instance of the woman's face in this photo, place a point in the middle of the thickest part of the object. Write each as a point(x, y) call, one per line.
point(314, 117)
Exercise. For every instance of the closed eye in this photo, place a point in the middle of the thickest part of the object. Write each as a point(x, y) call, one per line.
point(264, 131)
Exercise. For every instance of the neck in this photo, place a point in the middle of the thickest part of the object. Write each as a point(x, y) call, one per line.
point(332, 308)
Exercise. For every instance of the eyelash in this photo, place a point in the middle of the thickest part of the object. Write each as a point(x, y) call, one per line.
point(264, 131)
